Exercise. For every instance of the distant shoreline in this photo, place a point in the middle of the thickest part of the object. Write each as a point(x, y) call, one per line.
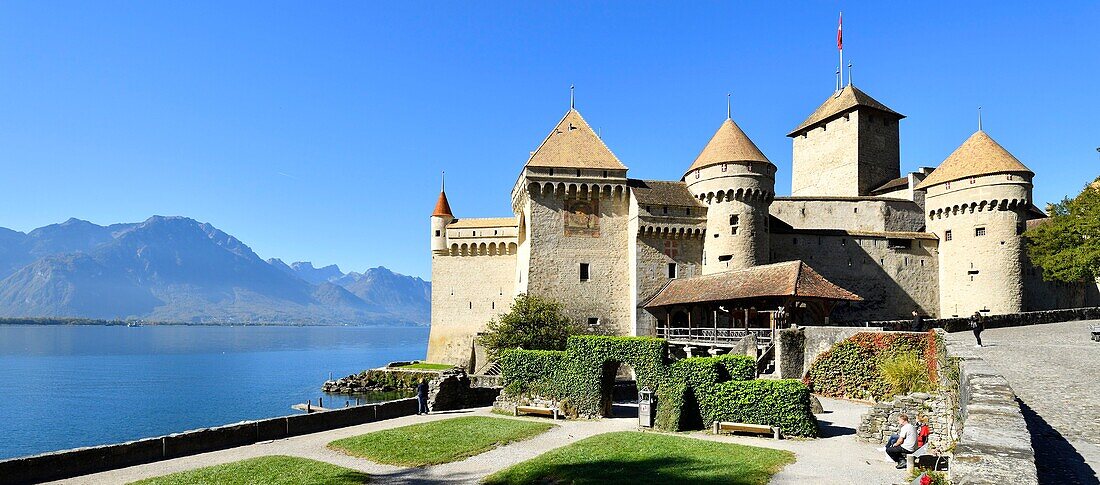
point(48, 322)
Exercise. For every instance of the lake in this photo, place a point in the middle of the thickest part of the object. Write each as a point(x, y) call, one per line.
point(69, 386)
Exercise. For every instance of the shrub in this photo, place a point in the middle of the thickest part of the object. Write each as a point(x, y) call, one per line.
point(578, 374)
point(774, 402)
point(678, 407)
point(533, 323)
point(904, 373)
point(852, 367)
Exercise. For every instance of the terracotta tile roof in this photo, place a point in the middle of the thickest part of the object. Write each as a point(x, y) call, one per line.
point(573, 144)
point(791, 278)
point(484, 222)
point(978, 155)
point(442, 207)
point(729, 144)
point(898, 183)
point(659, 192)
point(839, 103)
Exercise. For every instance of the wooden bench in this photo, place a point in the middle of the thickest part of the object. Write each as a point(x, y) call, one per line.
point(720, 426)
point(552, 412)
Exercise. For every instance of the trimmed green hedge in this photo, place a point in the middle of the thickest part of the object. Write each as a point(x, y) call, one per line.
point(851, 368)
point(579, 373)
point(679, 407)
point(774, 402)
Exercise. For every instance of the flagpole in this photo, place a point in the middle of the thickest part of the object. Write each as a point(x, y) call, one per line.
point(840, 46)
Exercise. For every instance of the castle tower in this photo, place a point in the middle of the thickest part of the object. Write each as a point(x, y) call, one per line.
point(572, 204)
point(441, 217)
point(847, 147)
point(737, 182)
point(977, 202)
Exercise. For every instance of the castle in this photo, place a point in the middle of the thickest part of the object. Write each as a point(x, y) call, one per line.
point(874, 243)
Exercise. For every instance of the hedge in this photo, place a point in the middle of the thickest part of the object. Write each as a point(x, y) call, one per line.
point(577, 374)
point(774, 402)
point(850, 369)
point(679, 407)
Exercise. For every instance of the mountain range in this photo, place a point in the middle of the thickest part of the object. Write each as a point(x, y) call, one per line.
point(176, 269)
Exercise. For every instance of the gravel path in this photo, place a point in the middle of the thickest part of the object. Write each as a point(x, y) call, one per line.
point(836, 458)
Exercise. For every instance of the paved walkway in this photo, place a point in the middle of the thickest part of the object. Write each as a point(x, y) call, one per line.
point(836, 458)
point(1055, 371)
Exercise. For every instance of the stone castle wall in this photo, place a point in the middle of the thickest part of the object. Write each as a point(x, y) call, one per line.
point(652, 270)
point(555, 260)
point(737, 197)
point(467, 291)
point(893, 280)
point(849, 213)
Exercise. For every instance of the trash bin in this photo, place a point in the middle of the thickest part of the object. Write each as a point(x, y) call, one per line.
point(647, 408)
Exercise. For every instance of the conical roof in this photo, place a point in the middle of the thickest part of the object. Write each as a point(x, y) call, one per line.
point(978, 155)
point(573, 144)
point(839, 103)
point(729, 144)
point(442, 207)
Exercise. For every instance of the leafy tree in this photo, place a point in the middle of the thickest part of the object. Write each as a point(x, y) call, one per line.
point(533, 323)
point(1067, 246)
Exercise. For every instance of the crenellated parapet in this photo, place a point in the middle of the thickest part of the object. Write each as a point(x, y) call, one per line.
point(972, 207)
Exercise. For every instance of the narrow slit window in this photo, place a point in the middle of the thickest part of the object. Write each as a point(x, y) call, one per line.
point(672, 270)
point(584, 272)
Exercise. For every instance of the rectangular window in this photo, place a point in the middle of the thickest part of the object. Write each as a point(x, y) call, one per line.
point(672, 270)
point(696, 173)
point(593, 321)
point(436, 233)
point(725, 257)
point(664, 210)
point(979, 231)
point(723, 167)
point(973, 179)
point(947, 235)
point(584, 271)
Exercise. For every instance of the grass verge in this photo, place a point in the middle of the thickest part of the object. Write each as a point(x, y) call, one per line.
point(630, 457)
point(275, 470)
point(438, 442)
point(426, 366)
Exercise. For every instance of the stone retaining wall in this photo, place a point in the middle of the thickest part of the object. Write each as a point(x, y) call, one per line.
point(82, 461)
point(882, 420)
point(994, 446)
point(998, 321)
point(797, 348)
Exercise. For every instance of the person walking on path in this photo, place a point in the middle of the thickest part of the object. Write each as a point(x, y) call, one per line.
point(906, 442)
point(977, 326)
point(918, 321)
point(422, 397)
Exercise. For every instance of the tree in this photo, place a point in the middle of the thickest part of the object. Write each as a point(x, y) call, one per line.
point(1067, 246)
point(533, 323)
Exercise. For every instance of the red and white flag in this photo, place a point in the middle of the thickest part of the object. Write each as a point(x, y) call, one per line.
point(840, 33)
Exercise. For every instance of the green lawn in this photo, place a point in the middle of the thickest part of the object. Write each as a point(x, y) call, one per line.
point(275, 470)
point(630, 457)
point(438, 441)
point(426, 366)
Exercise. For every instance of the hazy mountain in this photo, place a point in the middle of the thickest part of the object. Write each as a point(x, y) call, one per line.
point(176, 269)
point(396, 293)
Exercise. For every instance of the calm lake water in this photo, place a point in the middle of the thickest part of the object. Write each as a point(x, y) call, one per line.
point(69, 386)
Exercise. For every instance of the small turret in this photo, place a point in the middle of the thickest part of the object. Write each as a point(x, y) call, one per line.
point(737, 182)
point(441, 217)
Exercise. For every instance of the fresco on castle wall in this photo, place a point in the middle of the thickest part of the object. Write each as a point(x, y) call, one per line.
point(582, 217)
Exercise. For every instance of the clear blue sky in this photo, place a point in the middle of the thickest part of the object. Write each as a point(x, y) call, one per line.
point(318, 133)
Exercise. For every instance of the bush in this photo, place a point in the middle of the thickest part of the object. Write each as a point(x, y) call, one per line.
point(852, 367)
point(578, 374)
point(532, 323)
point(679, 408)
point(774, 402)
point(904, 373)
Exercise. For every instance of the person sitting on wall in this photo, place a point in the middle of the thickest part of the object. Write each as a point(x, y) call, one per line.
point(906, 442)
point(918, 321)
point(922, 430)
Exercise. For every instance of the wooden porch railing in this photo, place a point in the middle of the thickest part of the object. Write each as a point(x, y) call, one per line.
point(713, 335)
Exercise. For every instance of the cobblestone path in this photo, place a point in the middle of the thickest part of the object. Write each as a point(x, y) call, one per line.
point(1055, 371)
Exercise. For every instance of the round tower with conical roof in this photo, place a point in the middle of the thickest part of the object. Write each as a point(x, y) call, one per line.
point(441, 217)
point(737, 182)
point(978, 202)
